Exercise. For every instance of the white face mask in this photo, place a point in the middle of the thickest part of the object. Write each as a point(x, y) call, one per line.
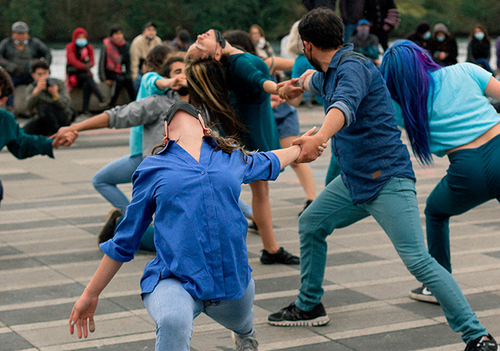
point(441, 37)
point(479, 35)
point(427, 35)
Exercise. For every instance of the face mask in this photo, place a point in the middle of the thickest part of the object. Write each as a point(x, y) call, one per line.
point(479, 35)
point(427, 35)
point(363, 33)
point(261, 43)
point(183, 91)
point(81, 42)
point(441, 38)
point(17, 42)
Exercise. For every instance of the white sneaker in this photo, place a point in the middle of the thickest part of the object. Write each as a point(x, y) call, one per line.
point(422, 294)
point(245, 342)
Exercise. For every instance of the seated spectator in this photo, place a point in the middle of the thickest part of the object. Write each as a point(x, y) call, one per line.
point(443, 46)
point(181, 41)
point(140, 48)
point(18, 51)
point(21, 145)
point(479, 49)
point(366, 43)
point(262, 47)
point(80, 59)
point(49, 99)
point(421, 35)
point(114, 64)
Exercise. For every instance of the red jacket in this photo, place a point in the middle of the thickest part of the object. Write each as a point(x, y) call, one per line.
point(71, 58)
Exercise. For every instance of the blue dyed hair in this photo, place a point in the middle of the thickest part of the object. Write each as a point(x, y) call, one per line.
point(407, 69)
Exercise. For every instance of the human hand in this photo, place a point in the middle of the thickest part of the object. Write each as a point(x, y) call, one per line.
point(289, 90)
point(87, 66)
point(53, 90)
point(41, 85)
point(109, 83)
point(65, 136)
point(311, 146)
point(82, 315)
point(276, 101)
point(442, 55)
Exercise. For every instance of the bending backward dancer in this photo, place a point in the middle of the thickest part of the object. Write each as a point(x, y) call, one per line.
point(199, 268)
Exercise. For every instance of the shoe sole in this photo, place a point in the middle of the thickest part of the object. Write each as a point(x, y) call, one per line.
point(423, 298)
point(316, 322)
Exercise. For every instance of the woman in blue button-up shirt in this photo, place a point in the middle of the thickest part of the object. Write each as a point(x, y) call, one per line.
point(192, 187)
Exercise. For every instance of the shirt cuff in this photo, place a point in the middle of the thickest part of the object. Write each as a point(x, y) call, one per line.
point(275, 165)
point(345, 110)
point(116, 252)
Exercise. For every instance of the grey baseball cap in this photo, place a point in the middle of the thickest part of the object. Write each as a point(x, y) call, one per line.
point(20, 27)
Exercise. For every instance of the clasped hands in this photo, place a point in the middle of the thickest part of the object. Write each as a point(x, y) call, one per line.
point(65, 136)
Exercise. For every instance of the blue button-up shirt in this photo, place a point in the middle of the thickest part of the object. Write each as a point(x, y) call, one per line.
point(200, 230)
point(368, 148)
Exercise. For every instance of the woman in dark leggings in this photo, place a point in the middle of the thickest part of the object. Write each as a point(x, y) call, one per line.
point(425, 97)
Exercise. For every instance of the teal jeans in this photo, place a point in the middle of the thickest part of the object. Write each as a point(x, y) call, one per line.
point(396, 210)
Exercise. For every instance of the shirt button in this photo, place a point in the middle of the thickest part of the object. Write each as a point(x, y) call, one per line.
point(202, 172)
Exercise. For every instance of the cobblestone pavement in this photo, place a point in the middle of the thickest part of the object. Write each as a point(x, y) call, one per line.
point(51, 214)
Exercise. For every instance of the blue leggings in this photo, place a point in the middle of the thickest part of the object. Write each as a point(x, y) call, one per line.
point(472, 179)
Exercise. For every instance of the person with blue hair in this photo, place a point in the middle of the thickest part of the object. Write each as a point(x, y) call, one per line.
point(445, 112)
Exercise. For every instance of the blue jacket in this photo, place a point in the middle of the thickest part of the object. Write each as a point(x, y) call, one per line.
point(368, 148)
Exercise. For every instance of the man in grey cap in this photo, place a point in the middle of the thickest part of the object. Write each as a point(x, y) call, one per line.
point(18, 51)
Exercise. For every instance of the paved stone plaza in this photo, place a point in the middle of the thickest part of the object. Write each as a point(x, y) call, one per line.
point(51, 214)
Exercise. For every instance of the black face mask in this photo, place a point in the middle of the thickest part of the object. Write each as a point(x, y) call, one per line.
point(219, 38)
point(184, 106)
point(316, 66)
point(183, 91)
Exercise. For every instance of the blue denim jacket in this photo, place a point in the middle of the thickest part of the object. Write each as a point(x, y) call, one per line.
point(368, 148)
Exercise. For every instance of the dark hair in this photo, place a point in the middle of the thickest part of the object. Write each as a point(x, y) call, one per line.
point(323, 28)
point(157, 57)
point(208, 88)
point(149, 24)
point(166, 67)
point(6, 85)
point(240, 39)
point(115, 28)
point(40, 63)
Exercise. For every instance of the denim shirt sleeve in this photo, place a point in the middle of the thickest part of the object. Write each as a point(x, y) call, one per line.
point(352, 84)
point(262, 166)
point(138, 216)
point(316, 83)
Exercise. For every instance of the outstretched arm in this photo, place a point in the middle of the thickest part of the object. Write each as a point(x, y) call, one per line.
point(67, 135)
point(291, 154)
point(82, 314)
point(334, 121)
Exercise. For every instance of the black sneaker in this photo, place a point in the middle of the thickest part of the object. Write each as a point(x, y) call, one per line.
point(481, 344)
point(108, 231)
point(422, 294)
point(292, 316)
point(308, 202)
point(281, 256)
point(252, 227)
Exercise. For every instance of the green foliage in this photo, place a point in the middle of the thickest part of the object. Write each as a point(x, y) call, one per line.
point(55, 20)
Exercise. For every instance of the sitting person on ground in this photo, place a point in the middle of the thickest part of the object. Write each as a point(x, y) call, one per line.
point(139, 50)
point(20, 144)
point(114, 64)
point(80, 59)
point(48, 99)
point(443, 46)
point(366, 43)
point(421, 35)
point(479, 48)
point(17, 53)
point(181, 41)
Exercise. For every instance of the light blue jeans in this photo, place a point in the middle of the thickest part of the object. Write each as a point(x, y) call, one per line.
point(173, 310)
point(396, 210)
point(117, 172)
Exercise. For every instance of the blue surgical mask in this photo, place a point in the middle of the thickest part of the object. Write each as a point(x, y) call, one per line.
point(479, 35)
point(427, 35)
point(81, 42)
point(441, 38)
point(17, 42)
